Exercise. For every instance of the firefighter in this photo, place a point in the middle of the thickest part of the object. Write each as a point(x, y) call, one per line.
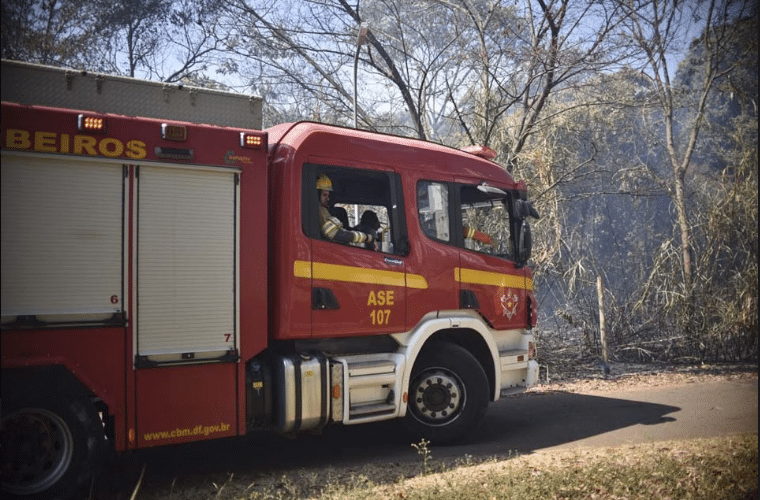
point(330, 227)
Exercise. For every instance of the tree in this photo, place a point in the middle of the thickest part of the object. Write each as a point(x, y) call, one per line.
point(655, 26)
point(132, 33)
point(611, 180)
point(527, 55)
point(168, 41)
point(47, 31)
point(722, 188)
point(452, 65)
point(604, 207)
point(307, 48)
point(154, 39)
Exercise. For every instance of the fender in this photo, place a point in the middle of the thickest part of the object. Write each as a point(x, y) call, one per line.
point(53, 379)
point(413, 341)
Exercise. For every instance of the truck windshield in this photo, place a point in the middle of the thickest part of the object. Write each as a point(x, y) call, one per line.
point(485, 223)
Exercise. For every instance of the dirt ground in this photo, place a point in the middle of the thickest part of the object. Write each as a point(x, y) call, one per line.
point(590, 377)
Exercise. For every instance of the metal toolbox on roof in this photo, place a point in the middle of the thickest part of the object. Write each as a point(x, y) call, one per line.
point(35, 84)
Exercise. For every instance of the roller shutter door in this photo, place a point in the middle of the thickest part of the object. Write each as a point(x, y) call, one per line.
point(61, 238)
point(186, 264)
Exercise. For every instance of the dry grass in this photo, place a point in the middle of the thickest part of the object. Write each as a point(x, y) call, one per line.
point(714, 469)
point(719, 468)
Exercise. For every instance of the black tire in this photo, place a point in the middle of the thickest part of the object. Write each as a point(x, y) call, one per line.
point(448, 394)
point(52, 447)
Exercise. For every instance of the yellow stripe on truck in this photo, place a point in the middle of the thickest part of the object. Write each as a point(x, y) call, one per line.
point(353, 274)
point(476, 277)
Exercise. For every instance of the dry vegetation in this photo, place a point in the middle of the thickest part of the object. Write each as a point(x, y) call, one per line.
point(589, 377)
point(715, 468)
point(705, 468)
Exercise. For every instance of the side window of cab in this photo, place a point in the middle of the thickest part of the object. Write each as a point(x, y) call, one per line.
point(485, 218)
point(470, 216)
point(356, 207)
point(433, 210)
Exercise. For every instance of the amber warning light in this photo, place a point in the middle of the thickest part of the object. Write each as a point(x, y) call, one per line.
point(251, 141)
point(173, 132)
point(90, 123)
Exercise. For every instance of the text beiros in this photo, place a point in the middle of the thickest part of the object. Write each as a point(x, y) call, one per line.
point(79, 144)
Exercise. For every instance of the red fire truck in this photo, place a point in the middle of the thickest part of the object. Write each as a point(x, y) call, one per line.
point(165, 278)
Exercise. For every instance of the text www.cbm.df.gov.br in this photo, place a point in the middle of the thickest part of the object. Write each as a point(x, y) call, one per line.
point(198, 430)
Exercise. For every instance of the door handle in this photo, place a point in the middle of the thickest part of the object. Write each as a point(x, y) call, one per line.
point(468, 300)
point(323, 299)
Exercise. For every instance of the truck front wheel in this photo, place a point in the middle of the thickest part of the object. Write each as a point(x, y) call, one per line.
point(448, 394)
point(51, 447)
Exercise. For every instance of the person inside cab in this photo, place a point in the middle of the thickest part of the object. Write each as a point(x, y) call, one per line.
point(342, 216)
point(369, 224)
point(330, 227)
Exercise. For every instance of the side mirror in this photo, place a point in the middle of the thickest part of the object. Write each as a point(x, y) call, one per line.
point(524, 244)
point(524, 209)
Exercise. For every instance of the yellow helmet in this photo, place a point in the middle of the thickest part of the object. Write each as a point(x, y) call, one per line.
point(324, 183)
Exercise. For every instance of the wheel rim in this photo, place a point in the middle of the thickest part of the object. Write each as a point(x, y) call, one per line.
point(438, 396)
point(37, 447)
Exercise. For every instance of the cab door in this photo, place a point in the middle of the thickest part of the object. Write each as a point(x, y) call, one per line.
point(496, 288)
point(488, 277)
point(354, 290)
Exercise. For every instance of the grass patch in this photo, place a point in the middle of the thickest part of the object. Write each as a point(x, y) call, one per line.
point(724, 468)
point(712, 469)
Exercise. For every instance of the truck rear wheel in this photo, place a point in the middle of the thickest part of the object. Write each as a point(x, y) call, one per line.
point(448, 394)
point(51, 447)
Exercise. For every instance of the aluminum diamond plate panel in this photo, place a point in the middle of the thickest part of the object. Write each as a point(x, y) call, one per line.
point(34, 84)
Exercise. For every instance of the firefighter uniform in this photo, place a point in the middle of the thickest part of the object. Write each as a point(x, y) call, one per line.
point(330, 227)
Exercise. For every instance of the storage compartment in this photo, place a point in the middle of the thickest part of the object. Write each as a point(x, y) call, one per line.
point(301, 384)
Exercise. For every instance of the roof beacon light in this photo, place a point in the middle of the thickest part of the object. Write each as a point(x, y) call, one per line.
point(481, 151)
point(90, 123)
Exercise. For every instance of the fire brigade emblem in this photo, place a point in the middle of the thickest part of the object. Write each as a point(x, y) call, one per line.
point(509, 300)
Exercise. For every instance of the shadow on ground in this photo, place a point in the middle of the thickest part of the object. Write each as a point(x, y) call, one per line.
point(523, 424)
